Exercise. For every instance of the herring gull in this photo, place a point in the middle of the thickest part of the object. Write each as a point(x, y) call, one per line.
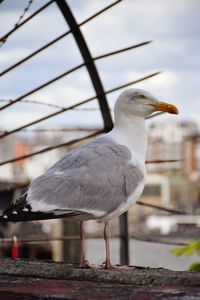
point(100, 180)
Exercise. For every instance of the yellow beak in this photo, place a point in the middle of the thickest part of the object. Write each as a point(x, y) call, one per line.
point(166, 107)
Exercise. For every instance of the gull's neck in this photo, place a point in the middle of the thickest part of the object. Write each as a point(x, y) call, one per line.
point(131, 132)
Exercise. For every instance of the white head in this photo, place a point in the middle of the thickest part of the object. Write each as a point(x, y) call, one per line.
point(137, 102)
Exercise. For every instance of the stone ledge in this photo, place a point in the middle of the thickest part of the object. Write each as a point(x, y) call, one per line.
point(63, 270)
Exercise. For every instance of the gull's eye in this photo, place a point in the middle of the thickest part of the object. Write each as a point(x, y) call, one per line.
point(142, 96)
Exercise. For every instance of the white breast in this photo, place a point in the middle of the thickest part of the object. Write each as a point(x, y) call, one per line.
point(136, 140)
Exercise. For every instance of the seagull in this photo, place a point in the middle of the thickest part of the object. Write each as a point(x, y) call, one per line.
point(100, 180)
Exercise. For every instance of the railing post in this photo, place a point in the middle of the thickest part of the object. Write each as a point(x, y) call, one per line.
point(124, 239)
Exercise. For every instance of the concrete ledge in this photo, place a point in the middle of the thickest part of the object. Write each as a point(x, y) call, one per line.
point(62, 270)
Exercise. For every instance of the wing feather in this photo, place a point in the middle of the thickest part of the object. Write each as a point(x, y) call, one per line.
point(96, 178)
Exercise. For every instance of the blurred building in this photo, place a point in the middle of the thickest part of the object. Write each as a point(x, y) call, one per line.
point(26, 170)
point(173, 184)
point(14, 179)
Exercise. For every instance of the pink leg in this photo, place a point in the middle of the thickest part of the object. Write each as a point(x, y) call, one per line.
point(106, 238)
point(107, 263)
point(84, 261)
point(82, 237)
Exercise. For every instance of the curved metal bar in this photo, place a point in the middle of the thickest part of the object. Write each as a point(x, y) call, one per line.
point(96, 81)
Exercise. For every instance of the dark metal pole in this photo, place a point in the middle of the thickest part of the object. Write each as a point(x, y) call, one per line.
point(96, 81)
point(124, 239)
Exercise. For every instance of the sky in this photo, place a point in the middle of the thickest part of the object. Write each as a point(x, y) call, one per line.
point(173, 26)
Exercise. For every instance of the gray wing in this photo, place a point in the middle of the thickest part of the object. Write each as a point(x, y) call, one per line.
point(94, 179)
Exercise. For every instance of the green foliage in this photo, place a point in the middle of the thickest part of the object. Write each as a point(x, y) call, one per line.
point(194, 267)
point(187, 250)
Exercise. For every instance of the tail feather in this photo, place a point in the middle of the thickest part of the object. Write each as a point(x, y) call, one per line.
point(20, 211)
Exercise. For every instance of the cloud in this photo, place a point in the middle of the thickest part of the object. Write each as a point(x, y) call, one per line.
point(175, 50)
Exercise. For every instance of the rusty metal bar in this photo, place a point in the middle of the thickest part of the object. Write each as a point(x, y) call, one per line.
point(43, 239)
point(67, 73)
point(122, 50)
point(94, 76)
point(166, 209)
point(75, 105)
point(134, 82)
point(99, 12)
point(60, 129)
point(72, 142)
point(49, 149)
point(159, 161)
point(23, 13)
point(34, 53)
point(19, 20)
point(110, 91)
point(36, 102)
point(42, 86)
point(62, 107)
point(45, 118)
point(76, 109)
point(62, 36)
point(5, 36)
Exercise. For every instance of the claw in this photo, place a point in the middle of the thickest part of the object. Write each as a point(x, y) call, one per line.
point(108, 266)
point(87, 265)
